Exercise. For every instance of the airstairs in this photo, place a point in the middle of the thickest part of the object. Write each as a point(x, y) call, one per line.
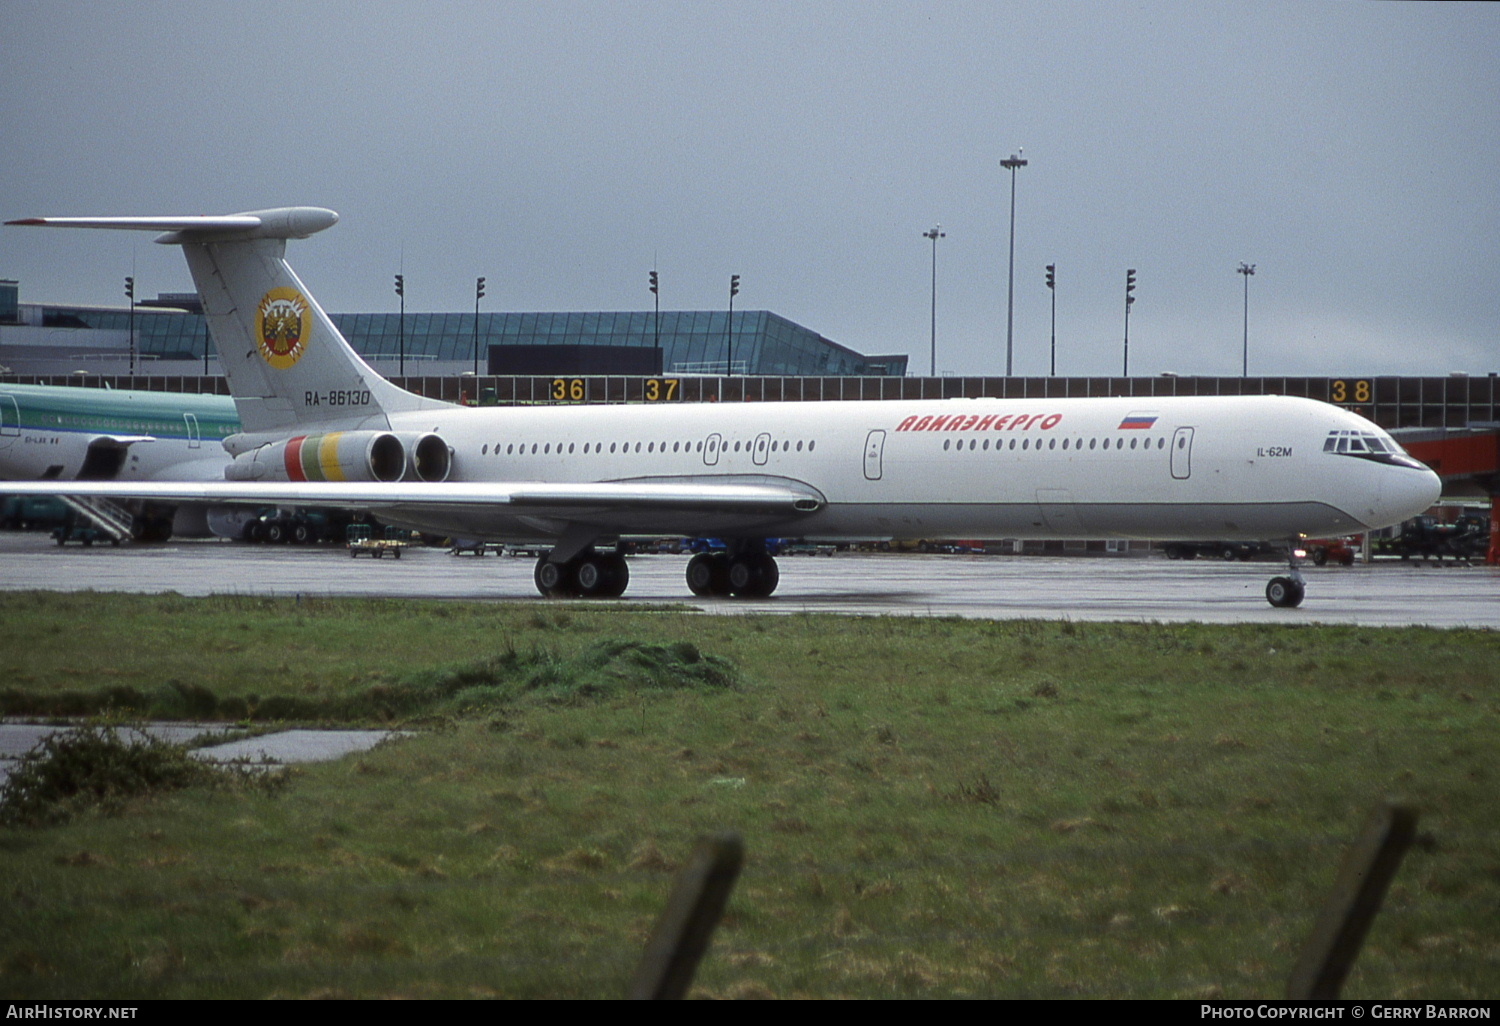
point(109, 517)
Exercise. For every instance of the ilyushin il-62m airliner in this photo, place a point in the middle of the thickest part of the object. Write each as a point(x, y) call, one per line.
point(319, 427)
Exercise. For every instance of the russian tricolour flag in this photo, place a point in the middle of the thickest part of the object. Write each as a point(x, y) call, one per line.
point(1138, 422)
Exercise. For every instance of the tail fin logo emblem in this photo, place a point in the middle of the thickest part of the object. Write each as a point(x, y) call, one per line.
point(283, 322)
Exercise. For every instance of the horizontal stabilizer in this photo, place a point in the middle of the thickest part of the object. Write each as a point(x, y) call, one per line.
point(280, 223)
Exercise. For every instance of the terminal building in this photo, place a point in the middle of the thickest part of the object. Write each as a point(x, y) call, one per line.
point(1452, 423)
point(168, 335)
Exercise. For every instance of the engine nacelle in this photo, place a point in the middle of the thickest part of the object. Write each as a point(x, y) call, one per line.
point(428, 457)
point(335, 456)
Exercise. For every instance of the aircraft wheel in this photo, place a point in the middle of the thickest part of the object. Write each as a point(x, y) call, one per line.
point(551, 578)
point(753, 576)
point(589, 576)
point(617, 576)
point(1284, 593)
point(708, 575)
point(770, 576)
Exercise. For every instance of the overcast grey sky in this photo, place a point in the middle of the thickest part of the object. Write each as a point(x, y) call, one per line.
point(1351, 151)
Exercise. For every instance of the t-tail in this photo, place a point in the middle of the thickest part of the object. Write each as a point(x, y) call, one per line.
point(290, 370)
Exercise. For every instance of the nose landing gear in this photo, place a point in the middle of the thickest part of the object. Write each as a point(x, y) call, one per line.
point(1287, 592)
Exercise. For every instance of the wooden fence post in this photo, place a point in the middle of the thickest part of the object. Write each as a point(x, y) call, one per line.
point(686, 927)
point(1357, 893)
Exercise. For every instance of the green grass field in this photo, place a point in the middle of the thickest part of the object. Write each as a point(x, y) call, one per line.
point(931, 808)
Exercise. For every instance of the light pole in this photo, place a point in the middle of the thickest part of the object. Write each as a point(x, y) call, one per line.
point(130, 293)
point(478, 295)
point(1052, 288)
point(1129, 302)
point(1247, 270)
point(734, 290)
point(401, 327)
point(934, 234)
point(656, 300)
point(1012, 163)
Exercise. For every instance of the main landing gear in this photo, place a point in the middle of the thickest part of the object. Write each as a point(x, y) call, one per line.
point(746, 575)
point(746, 571)
point(1287, 592)
point(589, 574)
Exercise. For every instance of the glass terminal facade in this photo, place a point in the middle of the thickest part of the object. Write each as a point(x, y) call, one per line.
point(691, 341)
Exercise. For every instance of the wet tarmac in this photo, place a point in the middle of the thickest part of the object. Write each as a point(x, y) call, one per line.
point(1142, 588)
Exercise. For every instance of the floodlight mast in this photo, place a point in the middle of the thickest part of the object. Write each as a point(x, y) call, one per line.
point(1247, 270)
point(1013, 162)
point(934, 233)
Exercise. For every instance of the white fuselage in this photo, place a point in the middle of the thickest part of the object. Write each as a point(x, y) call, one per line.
point(1217, 468)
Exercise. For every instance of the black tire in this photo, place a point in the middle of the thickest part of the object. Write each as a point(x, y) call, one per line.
point(275, 533)
point(1228, 553)
point(551, 578)
point(1284, 593)
point(590, 576)
point(708, 575)
point(599, 576)
point(770, 576)
point(753, 576)
point(619, 576)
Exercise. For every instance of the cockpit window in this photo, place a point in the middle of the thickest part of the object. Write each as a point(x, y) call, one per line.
point(1358, 441)
point(1370, 445)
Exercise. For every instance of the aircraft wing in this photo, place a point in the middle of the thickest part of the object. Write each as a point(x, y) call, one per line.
point(540, 499)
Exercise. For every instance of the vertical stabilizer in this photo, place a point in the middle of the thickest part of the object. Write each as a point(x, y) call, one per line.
point(288, 367)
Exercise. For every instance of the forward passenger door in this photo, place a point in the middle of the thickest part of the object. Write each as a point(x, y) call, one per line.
point(874, 455)
point(1182, 453)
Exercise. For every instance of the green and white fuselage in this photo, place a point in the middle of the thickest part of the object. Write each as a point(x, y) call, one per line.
point(51, 432)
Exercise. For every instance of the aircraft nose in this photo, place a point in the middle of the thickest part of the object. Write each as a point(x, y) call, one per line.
point(1407, 493)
